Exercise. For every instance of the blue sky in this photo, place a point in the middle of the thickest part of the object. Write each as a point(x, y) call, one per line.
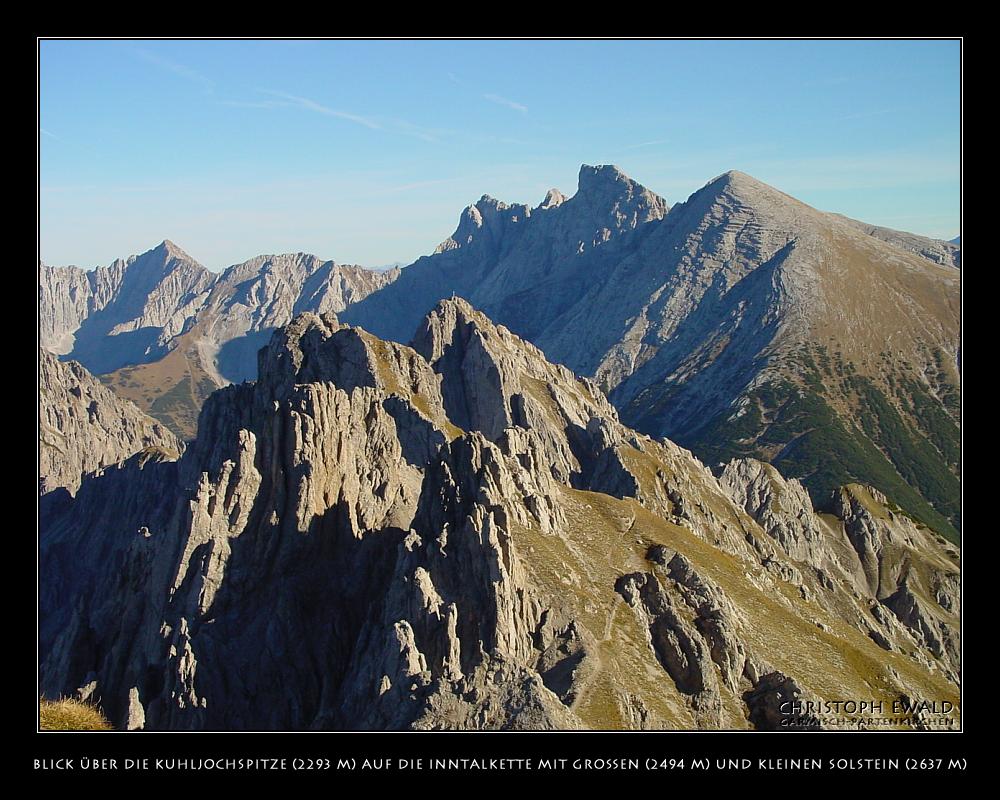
point(367, 151)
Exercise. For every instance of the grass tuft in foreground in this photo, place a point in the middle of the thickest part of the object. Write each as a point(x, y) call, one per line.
point(71, 715)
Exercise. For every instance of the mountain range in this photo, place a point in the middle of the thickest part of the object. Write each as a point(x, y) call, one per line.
point(459, 534)
point(739, 323)
point(165, 332)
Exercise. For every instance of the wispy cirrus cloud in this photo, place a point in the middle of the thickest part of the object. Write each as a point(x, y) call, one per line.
point(311, 105)
point(182, 70)
point(503, 101)
point(434, 135)
point(256, 103)
point(71, 143)
point(392, 125)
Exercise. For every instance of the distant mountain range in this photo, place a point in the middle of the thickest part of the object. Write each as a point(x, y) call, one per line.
point(165, 332)
point(740, 323)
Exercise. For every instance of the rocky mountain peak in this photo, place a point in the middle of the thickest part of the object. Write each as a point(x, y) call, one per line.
point(487, 216)
point(450, 321)
point(601, 175)
point(171, 250)
point(735, 198)
point(492, 380)
point(200, 329)
point(455, 318)
point(606, 189)
point(449, 312)
point(296, 353)
point(123, 313)
point(163, 259)
point(553, 199)
point(735, 176)
point(487, 201)
point(743, 187)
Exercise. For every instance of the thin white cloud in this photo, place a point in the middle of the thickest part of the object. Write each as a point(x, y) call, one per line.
point(646, 144)
point(182, 70)
point(400, 126)
point(503, 101)
point(49, 134)
point(311, 105)
point(256, 104)
point(434, 135)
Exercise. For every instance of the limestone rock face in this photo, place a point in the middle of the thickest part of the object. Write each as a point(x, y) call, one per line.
point(84, 426)
point(122, 314)
point(781, 507)
point(252, 299)
point(524, 266)
point(865, 544)
point(458, 534)
point(922, 591)
point(766, 700)
point(133, 311)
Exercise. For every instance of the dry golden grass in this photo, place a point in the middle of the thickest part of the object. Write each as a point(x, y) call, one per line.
point(605, 538)
point(179, 374)
point(71, 715)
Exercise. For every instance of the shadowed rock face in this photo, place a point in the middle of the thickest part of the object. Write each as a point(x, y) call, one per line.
point(84, 426)
point(460, 534)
